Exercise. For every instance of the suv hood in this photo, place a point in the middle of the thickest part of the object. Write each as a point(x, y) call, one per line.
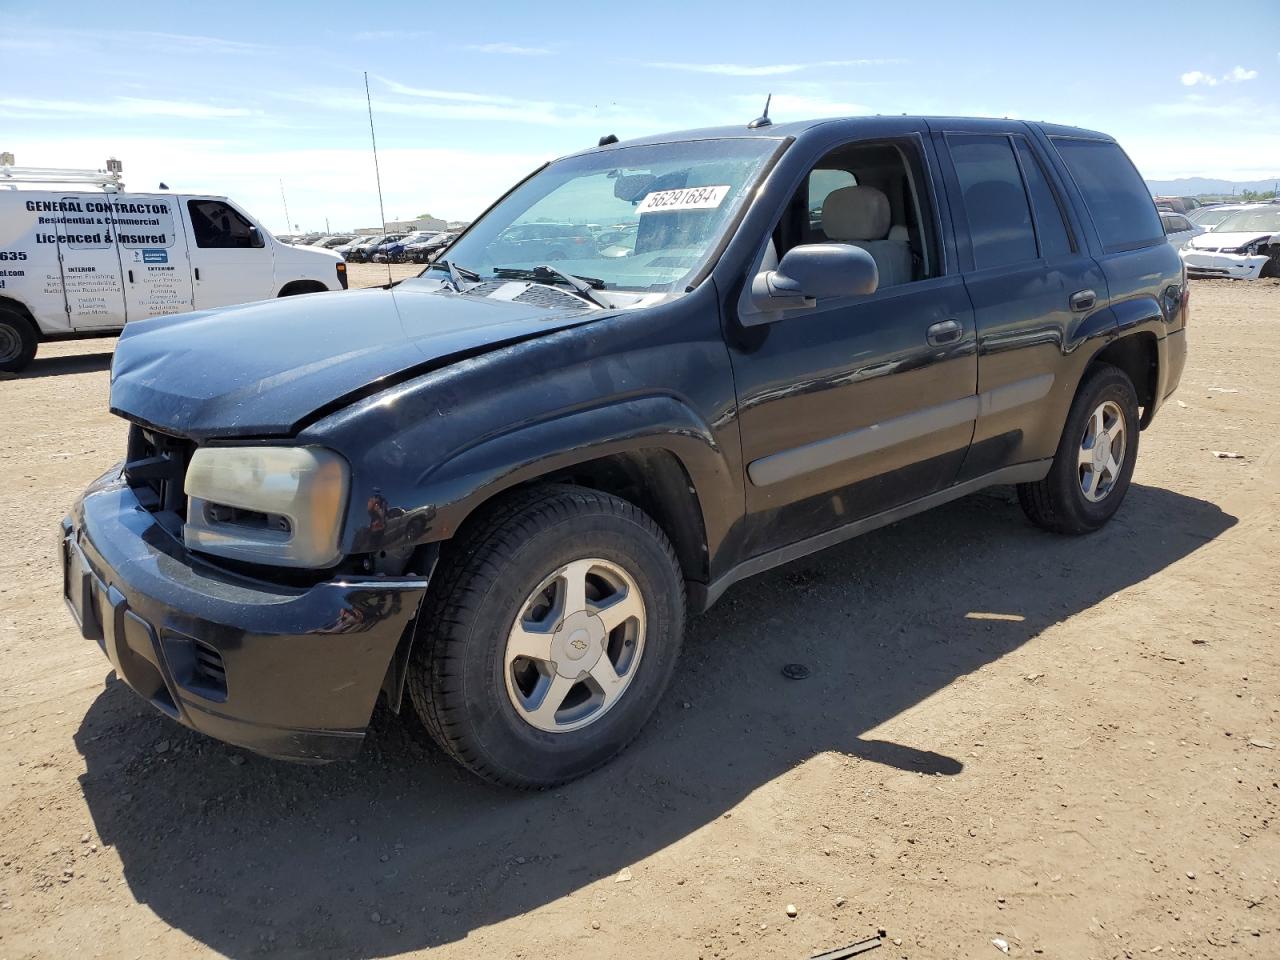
point(261, 368)
point(1226, 241)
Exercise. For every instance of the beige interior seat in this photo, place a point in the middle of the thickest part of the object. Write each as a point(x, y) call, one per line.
point(860, 216)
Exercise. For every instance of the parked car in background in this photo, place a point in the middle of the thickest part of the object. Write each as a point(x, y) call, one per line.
point(495, 492)
point(1243, 246)
point(1210, 216)
point(531, 243)
point(1178, 228)
point(1177, 204)
point(394, 251)
point(378, 252)
point(333, 242)
point(360, 251)
point(422, 252)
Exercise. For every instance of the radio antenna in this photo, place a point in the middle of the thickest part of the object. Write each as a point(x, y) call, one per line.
point(382, 212)
point(762, 120)
point(288, 224)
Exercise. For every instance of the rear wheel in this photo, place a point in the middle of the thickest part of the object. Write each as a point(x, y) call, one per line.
point(551, 631)
point(1095, 459)
point(18, 341)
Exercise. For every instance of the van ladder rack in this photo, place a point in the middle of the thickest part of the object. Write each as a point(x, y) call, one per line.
point(106, 179)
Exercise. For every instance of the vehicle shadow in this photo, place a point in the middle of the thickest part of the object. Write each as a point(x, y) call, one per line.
point(400, 850)
point(61, 366)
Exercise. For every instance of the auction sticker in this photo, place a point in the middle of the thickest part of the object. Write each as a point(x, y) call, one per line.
point(687, 198)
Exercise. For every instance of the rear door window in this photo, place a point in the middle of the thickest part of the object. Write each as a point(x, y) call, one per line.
point(995, 202)
point(1051, 227)
point(1114, 192)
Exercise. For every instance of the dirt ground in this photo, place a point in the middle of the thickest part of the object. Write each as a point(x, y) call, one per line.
point(1069, 745)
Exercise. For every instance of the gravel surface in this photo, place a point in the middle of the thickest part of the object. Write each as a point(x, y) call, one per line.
point(1065, 745)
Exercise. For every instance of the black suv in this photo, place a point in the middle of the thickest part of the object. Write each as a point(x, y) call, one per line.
point(502, 486)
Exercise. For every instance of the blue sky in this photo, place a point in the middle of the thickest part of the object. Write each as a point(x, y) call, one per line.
point(234, 98)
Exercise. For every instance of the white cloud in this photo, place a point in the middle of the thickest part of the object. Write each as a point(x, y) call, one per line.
point(128, 108)
point(730, 69)
point(766, 70)
point(1198, 77)
point(509, 48)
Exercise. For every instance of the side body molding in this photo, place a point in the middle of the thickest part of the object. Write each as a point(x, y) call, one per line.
point(912, 426)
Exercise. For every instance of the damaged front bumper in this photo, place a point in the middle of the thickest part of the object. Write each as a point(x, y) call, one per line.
point(287, 672)
point(1233, 266)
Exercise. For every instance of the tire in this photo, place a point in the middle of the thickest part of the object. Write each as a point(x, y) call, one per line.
point(18, 342)
point(475, 699)
point(1061, 502)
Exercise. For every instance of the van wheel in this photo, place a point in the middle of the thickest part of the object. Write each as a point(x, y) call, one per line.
point(1095, 459)
point(550, 632)
point(18, 342)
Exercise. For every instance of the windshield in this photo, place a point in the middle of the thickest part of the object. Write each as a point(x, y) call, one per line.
point(638, 218)
point(1209, 216)
point(1260, 220)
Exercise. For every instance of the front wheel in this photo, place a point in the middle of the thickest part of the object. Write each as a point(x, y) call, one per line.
point(1095, 458)
point(551, 631)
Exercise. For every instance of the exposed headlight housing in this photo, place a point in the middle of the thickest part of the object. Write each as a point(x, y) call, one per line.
point(281, 506)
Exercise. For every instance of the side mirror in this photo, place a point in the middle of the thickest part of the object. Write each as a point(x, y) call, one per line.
point(813, 272)
point(255, 237)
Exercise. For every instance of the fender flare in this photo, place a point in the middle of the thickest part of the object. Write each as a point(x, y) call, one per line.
point(463, 482)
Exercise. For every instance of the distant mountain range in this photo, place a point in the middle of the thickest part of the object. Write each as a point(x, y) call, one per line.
point(1193, 186)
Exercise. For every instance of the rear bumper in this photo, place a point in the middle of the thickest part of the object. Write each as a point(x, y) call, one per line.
point(1231, 266)
point(290, 673)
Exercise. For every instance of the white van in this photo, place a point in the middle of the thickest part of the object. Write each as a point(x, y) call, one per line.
point(84, 262)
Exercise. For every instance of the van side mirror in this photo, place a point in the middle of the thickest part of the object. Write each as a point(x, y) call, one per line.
point(255, 237)
point(813, 272)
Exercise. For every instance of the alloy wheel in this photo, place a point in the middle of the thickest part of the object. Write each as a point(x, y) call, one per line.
point(575, 646)
point(1102, 450)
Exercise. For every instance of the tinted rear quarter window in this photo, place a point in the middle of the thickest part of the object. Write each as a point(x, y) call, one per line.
point(1118, 200)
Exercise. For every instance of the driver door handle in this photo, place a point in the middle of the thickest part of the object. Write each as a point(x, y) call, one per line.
point(940, 334)
point(1083, 300)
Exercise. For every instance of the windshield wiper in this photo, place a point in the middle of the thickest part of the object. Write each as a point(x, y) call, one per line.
point(542, 273)
point(456, 273)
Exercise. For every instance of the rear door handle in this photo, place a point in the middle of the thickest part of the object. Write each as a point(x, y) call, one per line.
point(197, 273)
point(1083, 300)
point(940, 334)
point(131, 276)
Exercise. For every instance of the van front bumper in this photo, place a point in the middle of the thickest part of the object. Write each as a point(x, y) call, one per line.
point(287, 672)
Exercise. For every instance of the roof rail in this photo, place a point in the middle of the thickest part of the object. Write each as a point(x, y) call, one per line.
point(110, 179)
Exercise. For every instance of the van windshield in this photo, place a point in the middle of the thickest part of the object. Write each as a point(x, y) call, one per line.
point(643, 218)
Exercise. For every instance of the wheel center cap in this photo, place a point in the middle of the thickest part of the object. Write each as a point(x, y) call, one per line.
point(1101, 447)
point(578, 644)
